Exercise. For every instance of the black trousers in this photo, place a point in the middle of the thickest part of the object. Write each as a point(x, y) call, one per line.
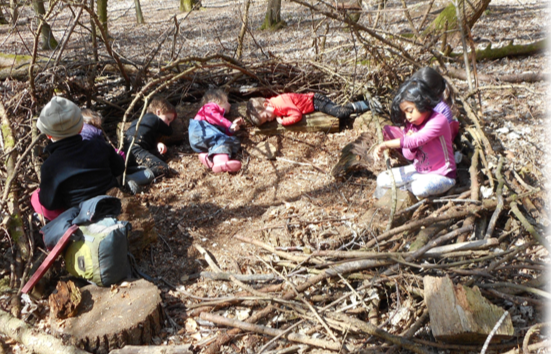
point(325, 105)
point(146, 158)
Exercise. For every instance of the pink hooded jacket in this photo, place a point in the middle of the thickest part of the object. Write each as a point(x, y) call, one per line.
point(214, 114)
point(430, 146)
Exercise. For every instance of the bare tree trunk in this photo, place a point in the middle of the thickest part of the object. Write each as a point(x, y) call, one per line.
point(273, 21)
point(139, 15)
point(14, 11)
point(48, 39)
point(187, 5)
point(102, 14)
point(244, 24)
point(3, 20)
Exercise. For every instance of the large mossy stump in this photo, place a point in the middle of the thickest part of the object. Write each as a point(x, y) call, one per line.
point(110, 318)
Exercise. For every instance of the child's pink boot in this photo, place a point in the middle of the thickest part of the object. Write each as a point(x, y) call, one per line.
point(222, 163)
point(204, 158)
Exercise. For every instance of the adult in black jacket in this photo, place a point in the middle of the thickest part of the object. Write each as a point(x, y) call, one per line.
point(76, 170)
point(147, 148)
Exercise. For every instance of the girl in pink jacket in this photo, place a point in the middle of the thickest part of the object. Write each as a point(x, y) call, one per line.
point(426, 140)
point(211, 134)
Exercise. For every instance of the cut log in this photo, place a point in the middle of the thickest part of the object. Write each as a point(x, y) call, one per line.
point(110, 318)
point(461, 315)
point(312, 122)
point(166, 349)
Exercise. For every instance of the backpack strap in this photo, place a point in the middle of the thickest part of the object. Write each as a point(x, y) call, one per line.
point(56, 251)
point(136, 272)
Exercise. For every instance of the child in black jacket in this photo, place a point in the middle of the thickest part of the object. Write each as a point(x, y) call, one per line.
point(147, 148)
point(76, 170)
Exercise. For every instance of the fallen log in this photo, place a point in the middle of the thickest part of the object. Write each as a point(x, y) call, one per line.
point(32, 339)
point(509, 50)
point(518, 78)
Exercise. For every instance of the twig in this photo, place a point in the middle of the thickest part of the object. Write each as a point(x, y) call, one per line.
point(493, 332)
point(499, 193)
point(531, 229)
point(529, 333)
point(64, 44)
point(301, 298)
point(294, 337)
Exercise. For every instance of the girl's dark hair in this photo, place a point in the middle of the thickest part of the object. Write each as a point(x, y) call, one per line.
point(417, 92)
point(436, 82)
point(217, 96)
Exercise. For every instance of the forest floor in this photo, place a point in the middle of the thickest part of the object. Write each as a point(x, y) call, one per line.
point(294, 200)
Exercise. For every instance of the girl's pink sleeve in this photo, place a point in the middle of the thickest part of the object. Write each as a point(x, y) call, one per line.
point(215, 115)
point(431, 130)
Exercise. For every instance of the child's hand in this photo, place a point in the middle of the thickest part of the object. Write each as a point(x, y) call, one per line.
point(235, 126)
point(409, 133)
point(279, 120)
point(162, 148)
point(378, 151)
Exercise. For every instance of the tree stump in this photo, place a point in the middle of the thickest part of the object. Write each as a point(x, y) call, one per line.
point(110, 318)
point(461, 315)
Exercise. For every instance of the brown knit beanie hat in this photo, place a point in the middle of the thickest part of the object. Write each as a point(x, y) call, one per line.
point(60, 118)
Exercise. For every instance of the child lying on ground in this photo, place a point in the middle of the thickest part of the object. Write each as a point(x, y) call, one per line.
point(426, 140)
point(211, 134)
point(288, 108)
point(76, 169)
point(147, 149)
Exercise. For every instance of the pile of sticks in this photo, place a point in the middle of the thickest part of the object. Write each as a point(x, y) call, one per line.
point(366, 292)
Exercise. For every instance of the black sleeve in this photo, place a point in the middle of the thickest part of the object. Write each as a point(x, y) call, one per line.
point(116, 162)
point(48, 190)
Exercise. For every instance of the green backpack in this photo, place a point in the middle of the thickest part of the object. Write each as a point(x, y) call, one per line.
point(101, 254)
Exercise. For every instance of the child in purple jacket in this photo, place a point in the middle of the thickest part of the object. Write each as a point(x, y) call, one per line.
point(426, 140)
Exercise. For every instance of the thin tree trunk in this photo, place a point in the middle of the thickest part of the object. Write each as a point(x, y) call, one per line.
point(272, 20)
point(102, 14)
point(244, 24)
point(48, 39)
point(3, 20)
point(139, 15)
point(14, 11)
point(187, 5)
